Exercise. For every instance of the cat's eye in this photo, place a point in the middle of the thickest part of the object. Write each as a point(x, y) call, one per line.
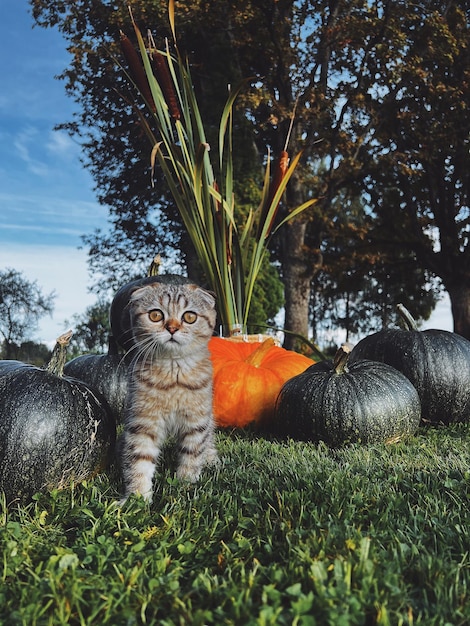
point(155, 315)
point(189, 317)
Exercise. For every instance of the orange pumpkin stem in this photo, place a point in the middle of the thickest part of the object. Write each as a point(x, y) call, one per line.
point(256, 357)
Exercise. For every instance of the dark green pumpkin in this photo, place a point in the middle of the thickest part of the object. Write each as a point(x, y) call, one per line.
point(106, 373)
point(53, 429)
point(437, 362)
point(340, 402)
point(119, 312)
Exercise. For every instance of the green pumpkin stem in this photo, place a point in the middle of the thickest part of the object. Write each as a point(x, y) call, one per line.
point(59, 355)
point(341, 357)
point(407, 318)
point(154, 267)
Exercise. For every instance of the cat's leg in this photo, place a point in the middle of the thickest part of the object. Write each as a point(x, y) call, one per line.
point(196, 449)
point(141, 447)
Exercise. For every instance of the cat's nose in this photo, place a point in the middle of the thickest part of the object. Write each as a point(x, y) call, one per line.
point(172, 326)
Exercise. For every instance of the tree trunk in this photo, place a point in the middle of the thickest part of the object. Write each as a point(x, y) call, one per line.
point(459, 295)
point(296, 284)
point(298, 269)
point(7, 350)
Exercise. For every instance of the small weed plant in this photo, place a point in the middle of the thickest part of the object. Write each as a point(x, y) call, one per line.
point(279, 533)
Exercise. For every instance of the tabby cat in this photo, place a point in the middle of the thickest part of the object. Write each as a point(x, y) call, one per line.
point(170, 383)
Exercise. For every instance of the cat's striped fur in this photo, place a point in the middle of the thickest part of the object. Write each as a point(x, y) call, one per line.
point(170, 383)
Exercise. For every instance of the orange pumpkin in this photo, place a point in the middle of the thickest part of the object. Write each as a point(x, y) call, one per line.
point(248, 378)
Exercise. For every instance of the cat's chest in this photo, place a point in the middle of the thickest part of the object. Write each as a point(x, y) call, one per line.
point(177, 375)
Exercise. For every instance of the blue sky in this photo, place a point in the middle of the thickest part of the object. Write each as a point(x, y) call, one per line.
point(46, 196)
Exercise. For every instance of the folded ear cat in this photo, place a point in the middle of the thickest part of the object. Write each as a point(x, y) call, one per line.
point(170, 382)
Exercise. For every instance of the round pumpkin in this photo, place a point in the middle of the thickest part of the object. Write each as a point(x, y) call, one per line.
point(53, 429)
point(106, 373)
point(247, 379)
point(339, 403)
point(437, 362)
point(119, 313)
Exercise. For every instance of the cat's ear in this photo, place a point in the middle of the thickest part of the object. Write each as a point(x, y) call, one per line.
point(208, 297)
point(138, 292)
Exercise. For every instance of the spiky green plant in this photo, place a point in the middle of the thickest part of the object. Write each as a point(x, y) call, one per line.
point(230, 250)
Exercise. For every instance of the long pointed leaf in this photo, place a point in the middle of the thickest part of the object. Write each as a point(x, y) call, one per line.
point(230, 255)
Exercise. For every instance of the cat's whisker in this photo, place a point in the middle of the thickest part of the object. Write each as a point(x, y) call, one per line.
point(146, 353)
point(127, 336)
point(123, 362)
point(139, 354)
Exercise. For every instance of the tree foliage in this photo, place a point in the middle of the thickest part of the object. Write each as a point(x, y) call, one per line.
point(422, 139)
point(22, 304)
point(359, 284)
point(381, 95)
point(90, 329)
point(30, 352)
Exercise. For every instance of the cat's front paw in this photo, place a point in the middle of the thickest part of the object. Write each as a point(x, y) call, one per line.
point(212, 458)
point(188, 474)
point(147, 497)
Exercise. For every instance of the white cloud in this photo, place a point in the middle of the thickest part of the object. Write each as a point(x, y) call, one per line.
point(61, 145)
point(60, 269)
point(33, 216)
point(24, 141)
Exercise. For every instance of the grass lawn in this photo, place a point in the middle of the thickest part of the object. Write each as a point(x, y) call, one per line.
point(278, 533)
